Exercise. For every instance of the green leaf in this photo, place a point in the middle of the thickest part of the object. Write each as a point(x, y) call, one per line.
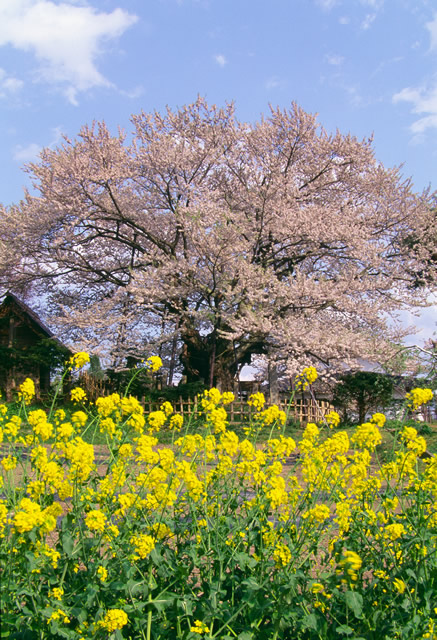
point(67, 543)
point(163, 601)
point(91, 593)
point(311, 622)
point(252, 584)
point(343, 629)
point(245, 635)
point(354, 601)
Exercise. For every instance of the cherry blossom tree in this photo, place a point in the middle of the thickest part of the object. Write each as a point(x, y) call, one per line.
point(226, 238)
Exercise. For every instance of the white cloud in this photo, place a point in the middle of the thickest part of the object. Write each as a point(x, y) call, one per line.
point(30, 152)
point(220, 59)
point(334, 59)
point(344, 20)
point(275, 82)
point(327, 4)
point(136, 92)
point(368, 21)
point(432, 28)
point(66, 39)
point(423, 98)
point(375, 4)
point(8, 84)
point(424, 101)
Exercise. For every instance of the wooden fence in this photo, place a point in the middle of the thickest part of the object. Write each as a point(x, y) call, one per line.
point(239, 411)
point(301, 410)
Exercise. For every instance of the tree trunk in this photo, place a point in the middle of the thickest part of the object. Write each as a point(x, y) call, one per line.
point(213, 359)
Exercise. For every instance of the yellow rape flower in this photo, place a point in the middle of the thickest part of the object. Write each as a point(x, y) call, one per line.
point(417, 397)
point(102, 573)
point(12, 427)
point(125, 451)
point(28, 516)
point(81, 457)
point(9, 463)
point(199, 627)
point(176, 422)
point(154, 363)
point(52, 555)
point(311, 432)
point(317, 514)
point(108, 404)
point(161, 531)
point(270, 415)
point(35, 488)
point(57, 615)
point(37, 416)
point(167, 408)
point(351, 563)
point(107, 425)
point(114, 619)
point(145, 444)
point(217, 418)
point(79, 419)
point(399, 585)
point(60, 415)
point(27, 391)
point(78, 360)
point(310, 374)
point(228, 397)
point(332, 419)
point(394, 531)
point(3, 516)
point(78, 395)
point(65, 430)
point(130, 405)
point(257, 400)
point(156, 420)
point(307, 377)
point(367, 436)
point(43, 429)
point(95, 520)
point(317, 587)
point(143, 545)
point(281, 555)
point(413, 441)
point(56, 593)
point(379, 419)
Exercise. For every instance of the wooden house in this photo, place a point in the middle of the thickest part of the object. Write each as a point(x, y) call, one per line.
point(28, 349)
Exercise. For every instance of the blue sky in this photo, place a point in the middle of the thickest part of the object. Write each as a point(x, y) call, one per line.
point(368, 67)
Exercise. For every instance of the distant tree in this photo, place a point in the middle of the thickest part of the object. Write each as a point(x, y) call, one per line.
point(363, 391)
point(219, 238)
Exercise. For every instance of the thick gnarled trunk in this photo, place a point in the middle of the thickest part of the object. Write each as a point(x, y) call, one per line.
point(213, 359)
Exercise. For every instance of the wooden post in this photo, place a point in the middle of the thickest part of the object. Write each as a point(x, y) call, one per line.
point(273, 383)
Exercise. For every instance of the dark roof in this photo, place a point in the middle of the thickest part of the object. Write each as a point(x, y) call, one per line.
point(11, 301)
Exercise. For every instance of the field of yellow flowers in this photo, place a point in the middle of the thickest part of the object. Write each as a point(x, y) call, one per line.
point(214, 535)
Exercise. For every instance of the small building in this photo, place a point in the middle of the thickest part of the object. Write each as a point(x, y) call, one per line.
point(28, 349)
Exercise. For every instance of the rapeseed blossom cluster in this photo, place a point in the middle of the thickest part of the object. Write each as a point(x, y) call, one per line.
point(27, 391)
point(199, 627)
point(306, 378)
point(332, 419)
point(417, 397)
point(78, 360)
point(351, 563)
point(154, 363)
point(78, 395)
point(114, 619)
point(168, 541)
